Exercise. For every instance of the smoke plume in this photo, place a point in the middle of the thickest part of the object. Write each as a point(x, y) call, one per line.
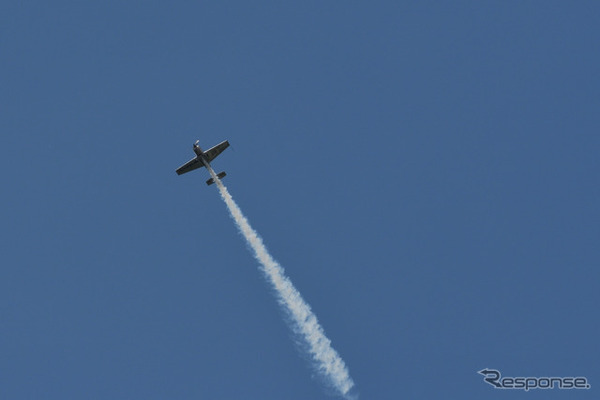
point(304, 322)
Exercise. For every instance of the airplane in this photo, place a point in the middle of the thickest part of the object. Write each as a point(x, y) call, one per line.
point(203, 159)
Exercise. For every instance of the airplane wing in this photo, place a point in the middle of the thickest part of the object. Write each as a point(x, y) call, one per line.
point(213, 152)
point(189, 166)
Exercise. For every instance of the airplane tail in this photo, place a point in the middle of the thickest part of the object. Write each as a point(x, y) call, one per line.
point(220, 175)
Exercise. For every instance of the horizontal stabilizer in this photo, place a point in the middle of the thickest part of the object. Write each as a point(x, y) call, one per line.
point(220, 175)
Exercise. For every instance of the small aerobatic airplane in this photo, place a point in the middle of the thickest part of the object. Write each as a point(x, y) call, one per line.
point(203, 159)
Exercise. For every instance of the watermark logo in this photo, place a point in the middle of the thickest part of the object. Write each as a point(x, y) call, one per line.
point(494, 378)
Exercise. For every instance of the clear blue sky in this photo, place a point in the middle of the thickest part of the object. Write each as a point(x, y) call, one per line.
point(426, 172)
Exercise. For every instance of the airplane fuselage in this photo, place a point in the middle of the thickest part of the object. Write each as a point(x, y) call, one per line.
point(200, 155)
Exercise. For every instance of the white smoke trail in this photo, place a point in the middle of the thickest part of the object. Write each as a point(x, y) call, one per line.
point(328, 362)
